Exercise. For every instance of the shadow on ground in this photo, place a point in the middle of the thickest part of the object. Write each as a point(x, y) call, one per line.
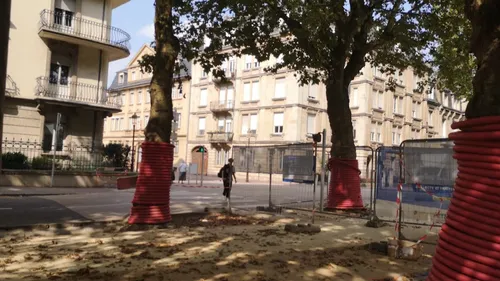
point(203, 247)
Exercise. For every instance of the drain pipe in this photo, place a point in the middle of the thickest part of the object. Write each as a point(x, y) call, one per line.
point(189, 112)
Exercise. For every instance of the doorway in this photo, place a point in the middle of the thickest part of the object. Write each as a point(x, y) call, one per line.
point(197, 158)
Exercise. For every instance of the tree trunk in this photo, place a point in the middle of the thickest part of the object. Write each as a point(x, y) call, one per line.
point(5, 7)
point(339, 114)
point(159, 127)
point(485, 44)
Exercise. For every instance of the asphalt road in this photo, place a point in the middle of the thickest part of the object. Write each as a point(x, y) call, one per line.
point(111, 204)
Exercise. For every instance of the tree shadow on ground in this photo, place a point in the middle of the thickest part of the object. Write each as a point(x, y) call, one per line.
point(201, 247)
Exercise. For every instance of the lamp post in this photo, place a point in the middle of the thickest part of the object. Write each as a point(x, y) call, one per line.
point(134, 121)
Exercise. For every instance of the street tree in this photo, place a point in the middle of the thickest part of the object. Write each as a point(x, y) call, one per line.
point(326, 41)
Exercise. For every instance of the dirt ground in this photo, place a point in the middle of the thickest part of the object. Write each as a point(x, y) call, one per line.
point(206, 248)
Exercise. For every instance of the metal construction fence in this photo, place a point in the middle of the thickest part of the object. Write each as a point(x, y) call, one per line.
point(425, 170)
point(295, 175)
point(26, 155)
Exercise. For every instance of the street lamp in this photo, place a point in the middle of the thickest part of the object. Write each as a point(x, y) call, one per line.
point(134, 122)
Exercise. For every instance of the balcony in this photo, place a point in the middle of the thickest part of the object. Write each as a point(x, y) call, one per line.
point(220, 137)
point(78, 94)
point(229, 76)
point(222, 106)
point(11, 89)
point(65, 26)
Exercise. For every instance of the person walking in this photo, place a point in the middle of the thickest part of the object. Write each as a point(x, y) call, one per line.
point(228, 174)
point(183, 167)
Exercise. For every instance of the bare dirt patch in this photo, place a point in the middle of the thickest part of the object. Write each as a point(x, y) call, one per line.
point(205, 248)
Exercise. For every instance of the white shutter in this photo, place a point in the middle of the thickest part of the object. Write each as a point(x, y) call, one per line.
point(255, 91)
point(246, 92)
point(310, 123)
point(222, 96)
point(229, 125)
point(280, 88)
point(203, 97)
point(230, 95)
point(253, 123)
point(244, 125)
point(248, 62)
point(132, 101)
point(201, 126)
point(220, 126)
point(354, 97)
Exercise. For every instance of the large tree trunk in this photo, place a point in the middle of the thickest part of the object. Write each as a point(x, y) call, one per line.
point(159, 127)
point(4, 47)
point(485, 44)
point(339, 115)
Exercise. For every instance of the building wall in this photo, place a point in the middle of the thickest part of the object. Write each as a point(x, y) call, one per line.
point(30, 57)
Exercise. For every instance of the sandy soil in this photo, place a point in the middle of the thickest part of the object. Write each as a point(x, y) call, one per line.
point(213, 247)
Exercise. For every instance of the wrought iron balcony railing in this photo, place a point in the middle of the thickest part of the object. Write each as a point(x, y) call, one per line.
point(220, 137)
point(223, 105)
point(75, 92)
point(66, 22)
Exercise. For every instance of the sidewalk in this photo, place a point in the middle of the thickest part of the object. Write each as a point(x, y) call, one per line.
point(46, 191)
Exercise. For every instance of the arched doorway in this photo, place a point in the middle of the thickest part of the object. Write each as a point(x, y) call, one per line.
point(196, 159)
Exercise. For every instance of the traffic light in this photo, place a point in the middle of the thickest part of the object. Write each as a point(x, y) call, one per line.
point(316, 137)
point(201, 149)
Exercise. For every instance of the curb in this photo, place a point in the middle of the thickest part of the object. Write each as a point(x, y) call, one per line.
point(35, 194)
point(60, 225)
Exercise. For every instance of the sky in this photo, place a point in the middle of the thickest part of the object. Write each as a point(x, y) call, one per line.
point(136, 18)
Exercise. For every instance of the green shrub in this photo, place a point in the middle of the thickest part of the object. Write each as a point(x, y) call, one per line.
point(116, 155)
point(14, 161)
point(41, 163)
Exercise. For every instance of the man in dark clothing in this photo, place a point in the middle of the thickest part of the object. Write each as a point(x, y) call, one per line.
point(228, 174)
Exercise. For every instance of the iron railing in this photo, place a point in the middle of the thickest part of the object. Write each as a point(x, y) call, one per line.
point(34, 155)
point(220, 106)
point(220, 137)
point(75, 92)
point(66, 22)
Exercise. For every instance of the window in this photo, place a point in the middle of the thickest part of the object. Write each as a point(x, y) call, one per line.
point(176, 93)
point(415, 134)
point(204, 74)
point(203, 97)
point(146, 120)
point(415, 112)
point(248, 62)
point(278, 123)
point(201, 126)
point(255, 91)
point(253, 123)
point(232, 66)
point(245, 124)
point(122, 99)
point(247, 91)
point(178, 120)
point(176, 147)
point(59, 74)
point(311, 126)
point(131, 99)
point(354, 129)
point(133, 75)
point(376, 72)
point(353, 98)
point(378, 99)
point(279, 89)
point(256, 63)
point(49, 141)
point(312, 91)
point(120, 78)
point(220, 125)
point(400, 78)
point(148, 97)
point(63, 17)
point(416, 82)
point(121, 125)
point(376, 132)
point(221, 157)
point(130, 123)
point(139, 97)
point(432, 95)
point(445, 129)
point(398, 105)
point(396, 135)
point(430, 121)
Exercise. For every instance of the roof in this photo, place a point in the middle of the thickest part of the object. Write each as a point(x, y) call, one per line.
point(115, 86)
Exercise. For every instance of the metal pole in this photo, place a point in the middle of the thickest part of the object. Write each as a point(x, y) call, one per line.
point(248, 158)
point(5, 6)
point(315, 179)
point(54, 148)
point(202, 165)
point(133, 147)
point(323, 159)
point(271, 154)
point(400, 220)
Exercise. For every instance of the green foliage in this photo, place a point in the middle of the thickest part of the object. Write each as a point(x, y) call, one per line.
point(455, 66)
point(14, 161)
point(41, 163)
point(116, 155)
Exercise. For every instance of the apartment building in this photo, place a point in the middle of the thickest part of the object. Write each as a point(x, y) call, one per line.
point(59, 51)
point(131, 86)
point(257, 108)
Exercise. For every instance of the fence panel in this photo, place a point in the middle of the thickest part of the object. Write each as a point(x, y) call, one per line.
point(426, 171)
